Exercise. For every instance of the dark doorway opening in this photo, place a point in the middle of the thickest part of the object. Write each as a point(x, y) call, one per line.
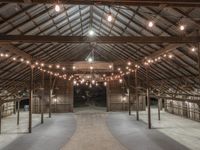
point(90, 95)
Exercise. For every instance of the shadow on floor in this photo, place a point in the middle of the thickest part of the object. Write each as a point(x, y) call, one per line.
point(134, 135)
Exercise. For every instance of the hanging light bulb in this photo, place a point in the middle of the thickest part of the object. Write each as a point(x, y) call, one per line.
point(63, 68)
point(110, 66)
point(109, 17)
point(57, 66)
point(74, 67)
point(150, 24)
point(93, 81)
point(90, 60)
point(182, 27)
point(120, 80)
point(105, 83)
point(14, 58)
point(193, 49)
point(91, 32)
point(57, 8)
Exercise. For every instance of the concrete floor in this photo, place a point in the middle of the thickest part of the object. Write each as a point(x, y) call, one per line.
point(95, 129)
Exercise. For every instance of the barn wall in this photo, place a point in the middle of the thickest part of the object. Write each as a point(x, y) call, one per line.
point(184, 109)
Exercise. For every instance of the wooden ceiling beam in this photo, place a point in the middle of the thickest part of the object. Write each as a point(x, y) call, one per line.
point(97, 39)
point(171, 3)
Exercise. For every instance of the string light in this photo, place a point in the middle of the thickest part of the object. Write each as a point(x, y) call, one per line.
point(63, 68)
point(50, 66)
point(57, 66)
point(57, 8)
point(14, 58)
point(91, 32)
point(193, 49)
point(110, 66)
point(170, 56)
point(182, 27)
point(109, 17)
point(74, 67)
point(150, 24)
point(129, 63)
point(21, 59)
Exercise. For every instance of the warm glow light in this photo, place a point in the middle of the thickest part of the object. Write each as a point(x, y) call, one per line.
point(120, 80)
point(91, 67)
point(57, 66)
point(105, 83)
point(109, 17)
point(27, 62)
point(170, 56)
point(63, 68)
point(2, 55)
point(42, 64)
point(193, 49)
point(110, 66)
point(74, 67)
point(6, 55)
point(14, 58)
point(91, 32)
point(57, 8)
point(182, 27)
point(150, 24)
point(21, 59)
point(50, 66)
point(93, 81)
point(129, 63)
point(90, 60)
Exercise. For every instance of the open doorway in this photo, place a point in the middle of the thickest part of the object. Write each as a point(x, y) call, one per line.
point(90, 96)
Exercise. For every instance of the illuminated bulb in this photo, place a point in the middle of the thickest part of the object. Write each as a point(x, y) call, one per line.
point(42, 64)
point(149, 61)
point(127, 67)
point(2, 55)
point(129, 63)
point(120, 80)
point(109, 17)
point(6, 55)
point(110, 66)
point(93, 81)
point(105, 83)
point(57, 8)
point(57, 66)
point(14, 58)
point(63, 68)
point(150, 24)
point(119, 69)
point(91, 32)
point(21, 59)
point(193, 49)
point(36, 63)
point(182, 27)
point(27, 62)
point(91, 68)
point(90, 60)
point(74, 67)
point(170, 56)
point(97, 84)
point(164, 55)
point(159, 58)
point(50, 66)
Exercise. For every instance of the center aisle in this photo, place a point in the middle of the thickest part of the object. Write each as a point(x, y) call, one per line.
point(92, 132)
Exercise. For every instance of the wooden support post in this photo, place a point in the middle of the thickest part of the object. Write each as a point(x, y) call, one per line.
point(30, 99)
point(136, 97)
point(42, 100)
point(0, 116)
point(158, 108)
point(129, 96)
point(18, 111)
point(50, 94)
point(148, 99)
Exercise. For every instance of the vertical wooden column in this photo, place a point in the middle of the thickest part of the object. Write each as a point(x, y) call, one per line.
point(30, 100)
point(0, 116)
point(18, 111)
point(158, 108)
point(129, 96)
point(136, 97)
point(50, 94)
point(148, 98)
point(42, 100)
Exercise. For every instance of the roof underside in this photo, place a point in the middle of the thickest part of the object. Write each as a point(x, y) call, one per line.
point(77, 20)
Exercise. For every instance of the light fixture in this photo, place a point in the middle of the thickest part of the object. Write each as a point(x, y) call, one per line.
point(150, 24)
point(14, 58)
point(109, 17)
point(120, 80)
point(50, 66)
point(57, 66)
point(2, 55)
point(42, 64)
point(74, 67)
point(91, 32)
point(36, 63)
point(63, 68)
point(93, 81)
point(170, 56)
point(90, 60)
point(6, 55)
point(21, 59)
point(57, 8)
point(105, 83)
point(182, 27)
point(27, 61)
point(129, 63)
point(91, 68)
point(193, 49)
point(110, 66)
